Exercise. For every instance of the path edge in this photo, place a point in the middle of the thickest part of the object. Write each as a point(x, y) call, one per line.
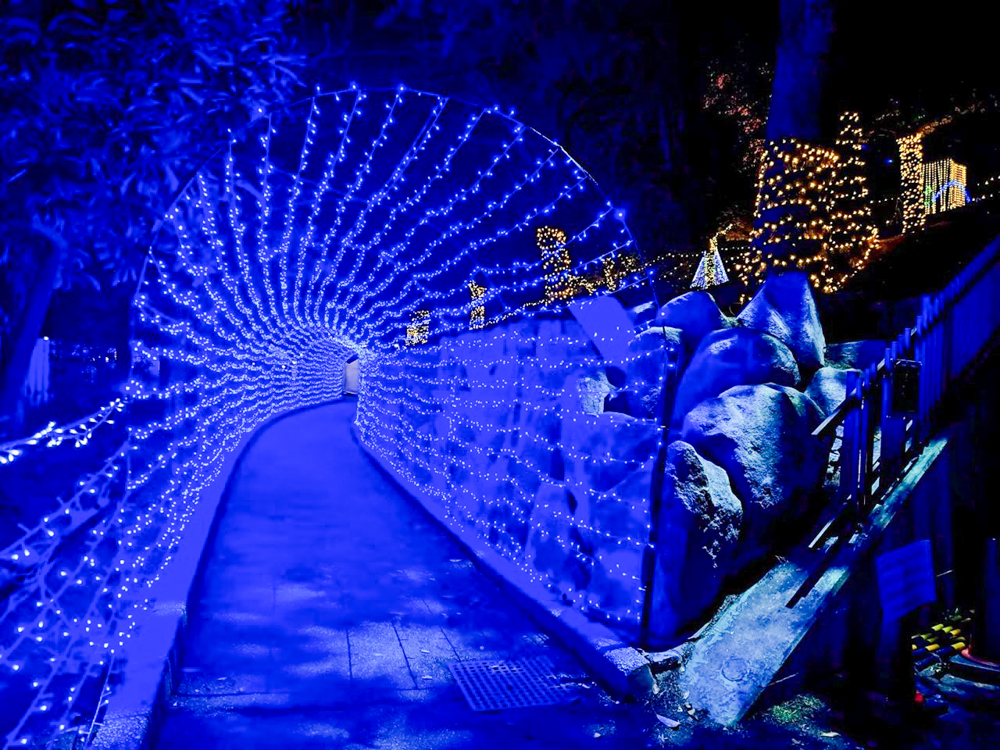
point(139, 701)
point(619, 667)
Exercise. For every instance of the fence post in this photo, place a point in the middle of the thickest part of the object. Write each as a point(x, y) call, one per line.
point(893, 428)
point(922, 355)
point(867, 434)
point(850, 445)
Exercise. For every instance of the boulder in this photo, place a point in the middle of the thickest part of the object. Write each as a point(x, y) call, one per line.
point(727, 358)
point(601, 451)
point(785, 308)
point(639, 374)
point(594, 388)
point(699, 527)
point(549, 549)
point(642, 315)
point(695, 314)
point(828, 388)
point(762, 436)
point(648, 355)
point(855, 355)
point(616, 530)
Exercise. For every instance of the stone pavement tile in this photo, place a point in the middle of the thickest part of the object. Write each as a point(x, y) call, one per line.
point(196, 682)
point(428, 652)
point(328, 597)
point(436, 719)
point(377, 659)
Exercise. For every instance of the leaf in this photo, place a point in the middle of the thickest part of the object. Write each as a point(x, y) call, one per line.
point(668, 722)
point(193, 96)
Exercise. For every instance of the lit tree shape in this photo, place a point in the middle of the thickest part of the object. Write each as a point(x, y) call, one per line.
point(911, 178)
point(711, 271)
point(852, 231)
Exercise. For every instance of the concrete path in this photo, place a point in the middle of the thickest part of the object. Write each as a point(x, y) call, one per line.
point(329, 610)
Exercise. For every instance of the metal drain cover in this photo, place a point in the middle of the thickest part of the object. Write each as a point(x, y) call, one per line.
point(494, 685)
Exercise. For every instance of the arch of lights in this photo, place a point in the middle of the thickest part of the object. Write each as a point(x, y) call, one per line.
point(372, 224)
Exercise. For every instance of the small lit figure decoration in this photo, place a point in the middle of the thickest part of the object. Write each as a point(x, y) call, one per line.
point(556, 263)
point(710, 271)
point(419, 331)
point(477, 317)
point(616, 268)
point(944, 186)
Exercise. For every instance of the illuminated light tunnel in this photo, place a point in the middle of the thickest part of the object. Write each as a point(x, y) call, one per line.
point(443, 249)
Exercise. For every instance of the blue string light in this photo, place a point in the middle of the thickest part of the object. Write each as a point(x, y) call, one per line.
point(322, 235)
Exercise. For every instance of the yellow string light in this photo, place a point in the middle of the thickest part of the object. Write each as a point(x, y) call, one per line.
point(419, 331)
point(477, 317)
point(944, 185)
point(911, 175)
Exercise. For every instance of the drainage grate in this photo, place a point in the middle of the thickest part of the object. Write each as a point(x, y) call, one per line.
point(494, 685)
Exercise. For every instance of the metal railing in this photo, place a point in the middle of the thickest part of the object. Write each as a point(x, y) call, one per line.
point(955, 327)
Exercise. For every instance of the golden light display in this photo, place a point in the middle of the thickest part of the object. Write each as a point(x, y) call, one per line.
point(556, 263)
point(911, 177)
point(711, 271)
point(812, 203)
point(945, 184)
point(419, 331)
point(616, 268)
point(792, 211)
point(477, 317)
point(852, 228)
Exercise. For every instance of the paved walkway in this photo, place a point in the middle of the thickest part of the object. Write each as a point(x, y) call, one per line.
point(331, 606)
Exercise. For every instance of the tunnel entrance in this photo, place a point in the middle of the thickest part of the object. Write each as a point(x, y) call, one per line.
point(426, 255)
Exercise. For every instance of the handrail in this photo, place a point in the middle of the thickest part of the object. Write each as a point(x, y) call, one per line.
point(953, 328)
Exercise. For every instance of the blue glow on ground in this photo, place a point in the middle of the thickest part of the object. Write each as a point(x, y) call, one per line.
point(330, 604)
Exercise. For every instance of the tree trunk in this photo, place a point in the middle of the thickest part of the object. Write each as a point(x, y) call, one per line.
point(25, 332)
point(801, 70)
point(792, 211)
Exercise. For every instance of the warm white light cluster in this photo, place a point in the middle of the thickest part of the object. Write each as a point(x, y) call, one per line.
point(347, 225)
point(813, 208)
point(911, 178)
point(944, 185)
point(711, 271)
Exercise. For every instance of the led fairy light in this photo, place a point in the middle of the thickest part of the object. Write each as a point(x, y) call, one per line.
point(852, 232)
point(275, 266)
point(477, 316)
point(392, 186)
point(987, 189)
point(372, 201)
point(419, 331)
point(428, 251)
point(944, 185)
point(556, 262)
point(911, 176)
point(792, 209)
point(710, 271)
point(617, 269)
point(390, 306)
point(50, 436)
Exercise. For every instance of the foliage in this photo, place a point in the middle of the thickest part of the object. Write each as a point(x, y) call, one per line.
point(617, 84)
point(105, 107)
